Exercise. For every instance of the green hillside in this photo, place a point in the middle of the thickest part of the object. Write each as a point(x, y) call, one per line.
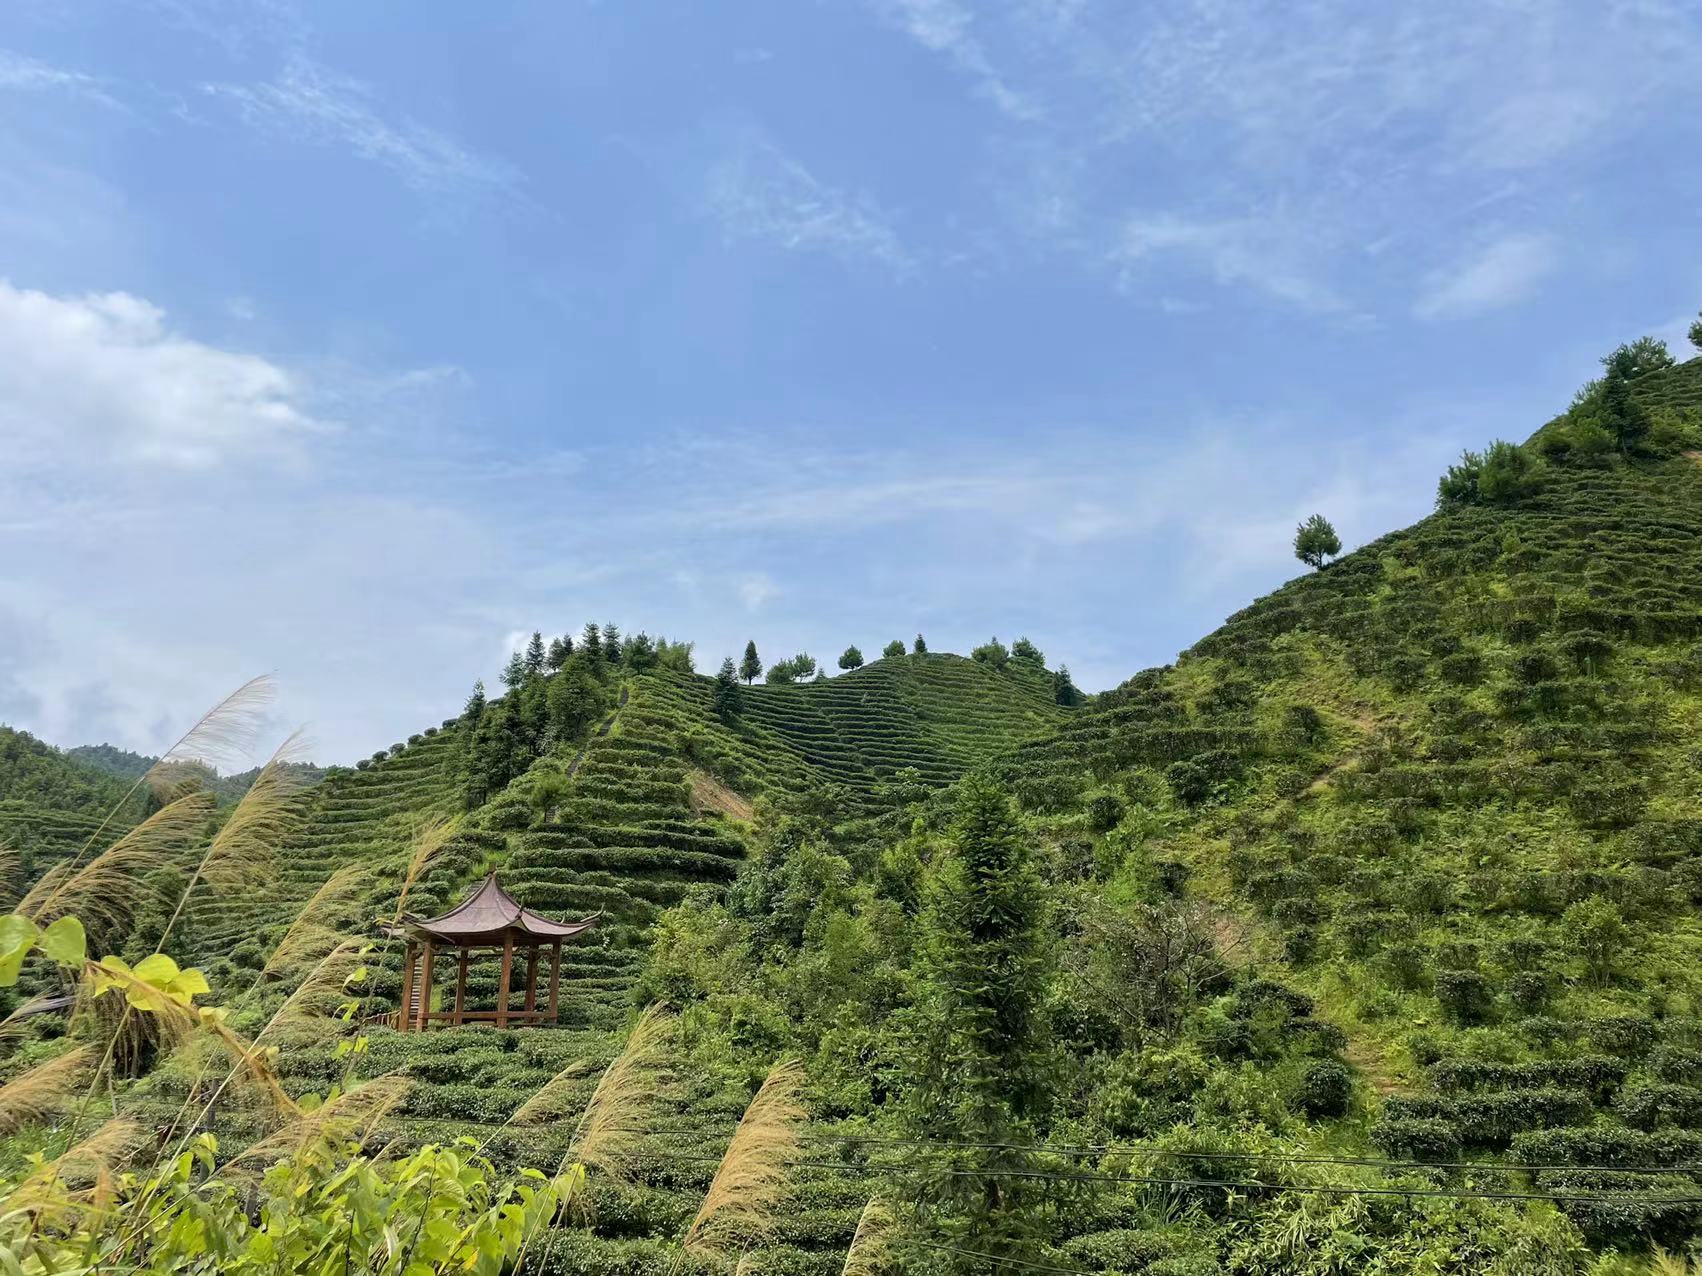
point(50, 802)
point(1365, 937)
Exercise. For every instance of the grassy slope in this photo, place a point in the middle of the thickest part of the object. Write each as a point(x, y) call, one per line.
point(1506, 772)
point(652, 808)
point(50, 803)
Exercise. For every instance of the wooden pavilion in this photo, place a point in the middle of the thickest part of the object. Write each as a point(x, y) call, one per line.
point(492, 922)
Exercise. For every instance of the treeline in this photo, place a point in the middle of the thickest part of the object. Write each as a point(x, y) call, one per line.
point(803, 667)
point(556, 692)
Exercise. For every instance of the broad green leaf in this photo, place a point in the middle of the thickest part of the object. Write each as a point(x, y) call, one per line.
point(188, 983)
point(158, 970)
point(65, 942)
point(17, 936)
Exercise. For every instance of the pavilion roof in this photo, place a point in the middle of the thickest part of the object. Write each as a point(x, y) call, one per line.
point(489, 915)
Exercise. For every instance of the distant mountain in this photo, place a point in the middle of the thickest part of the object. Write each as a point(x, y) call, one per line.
point(131, 766)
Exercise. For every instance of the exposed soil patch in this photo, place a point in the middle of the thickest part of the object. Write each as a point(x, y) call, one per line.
point(709, 794)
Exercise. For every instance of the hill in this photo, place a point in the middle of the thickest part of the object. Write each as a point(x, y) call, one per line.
point(50, 802)
point(1365, 937)
point(128, 765)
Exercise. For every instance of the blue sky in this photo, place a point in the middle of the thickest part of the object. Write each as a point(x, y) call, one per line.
point(352, 341)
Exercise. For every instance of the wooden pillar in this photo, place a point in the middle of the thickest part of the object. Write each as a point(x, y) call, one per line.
point(426, 963)
point(460, 988)
point(532, 977)
point(405, 1013)
point(507, 974)
point(555, 978)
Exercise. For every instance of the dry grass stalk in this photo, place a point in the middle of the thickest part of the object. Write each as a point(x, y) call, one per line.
point(83, 1168)
point(349, 1116)
point(327, 977)
point(750, 1184)
point(311, 935)
point(871, 1243)
point(609, 1133)
point(224, 734)
point(241, 852)
point(36, 1095)
point(11, 872)
point(429, 840)
point(105, 891)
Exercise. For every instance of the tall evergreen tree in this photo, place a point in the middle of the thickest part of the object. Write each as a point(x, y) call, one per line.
point(920, 647)
point(591, 640)
point(750, 668)
point(535, 655)
point(1063, 690)
point(475, 708)
point(611, 643)
point(514, 672)
point(1626, 419)
point(728, 698)
point(575, 700)
point(981, 1065)
point(560, 649)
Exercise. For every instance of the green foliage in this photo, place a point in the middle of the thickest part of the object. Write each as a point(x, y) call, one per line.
point(1695, 333)
point(1063, 690)
point(793, 669)
point(851, 658)
point(1316, 542)
point(1503, 474)
point(893, 650)
point(992, 652)
point(728, 699)
point(981, 1068)
point(1024, 650)
point(919, 647)
point(750, 667)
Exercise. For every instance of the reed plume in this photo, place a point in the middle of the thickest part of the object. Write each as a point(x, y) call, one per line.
point(312, 935)
point(349, 1116)
point(11, 872)
point(327, 976)
point(610, 1130)
point(36, 1095)
point(429, 840)
point(749, 1186)
point(87, 1166)
point(871, 1243)
point(222, 735)
point(105, 892)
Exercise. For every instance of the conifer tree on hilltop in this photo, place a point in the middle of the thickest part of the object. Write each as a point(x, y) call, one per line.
point(535, 655)
point(560, 649)
point(750, 668)
point(851, 658)
point(728, 698)
point(920, 647)
point(591, 641)
point(1696, 333)
point(611, 643)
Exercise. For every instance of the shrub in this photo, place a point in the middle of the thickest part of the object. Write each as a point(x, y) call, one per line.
point(1324, 1090)
point(1596, 932)
point(1649, 1105)
point(1418, 1138)
point(1104, 811)
point(1465, 995)
point(893, 650)
point(992, 652)
point(1627, 1036)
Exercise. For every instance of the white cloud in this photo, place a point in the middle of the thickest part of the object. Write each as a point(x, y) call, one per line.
point(943, 26)
point(756, 589)
point(1256, 252)
point(310, 103)
point(27, 75)
point(1503, 273)
point(760, 192)
point(103, 376)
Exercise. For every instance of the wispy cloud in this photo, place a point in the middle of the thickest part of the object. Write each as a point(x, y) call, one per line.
point(28, 75)
point(759, 192)
point(311, 103)
point(946, 27)
point(105, 374)
point(1255, 252)
point(1502, 273)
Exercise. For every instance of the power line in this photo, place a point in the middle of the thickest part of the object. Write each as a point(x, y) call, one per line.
point(1281, 1158)
point(1322, 1189)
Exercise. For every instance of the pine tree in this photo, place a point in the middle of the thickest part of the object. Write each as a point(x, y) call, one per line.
point(560, 649)
point(728, 697)
point(750, 668)
point(591, 640)
point(919, 647)
point(1696, 333)
point(851, 658)
point(611, 643)
point(1315, 541)
point(981, 1064)
point(1063, 690)
point(475, 708)
point(575, 700)
point(514, 672)
point(1626, 419)
point(535, 655)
